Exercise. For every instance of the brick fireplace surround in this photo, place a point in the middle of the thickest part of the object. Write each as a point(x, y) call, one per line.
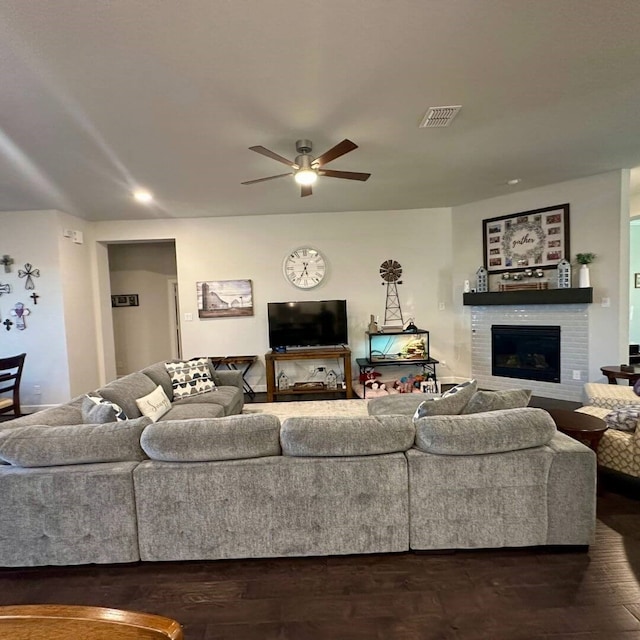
point(573, 320)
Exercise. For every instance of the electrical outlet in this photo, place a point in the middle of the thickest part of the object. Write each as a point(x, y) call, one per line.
point(443, 363)
point(576, 374)
point(36, 390)
point(440, 306)
point(188, 317)
point(606, 302)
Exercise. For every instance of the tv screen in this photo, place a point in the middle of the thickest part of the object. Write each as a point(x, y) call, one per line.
point(309, 323)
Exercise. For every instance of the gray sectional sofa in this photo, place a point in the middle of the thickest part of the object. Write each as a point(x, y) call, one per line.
point(245, 485)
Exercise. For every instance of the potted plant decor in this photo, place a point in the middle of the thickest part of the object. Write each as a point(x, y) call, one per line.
point(585, 259)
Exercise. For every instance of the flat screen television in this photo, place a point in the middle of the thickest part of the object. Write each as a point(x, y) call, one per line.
point(308, 323)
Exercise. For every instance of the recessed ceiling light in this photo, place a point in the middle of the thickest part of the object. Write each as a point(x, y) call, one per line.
point(514, 181)
point(143, 196)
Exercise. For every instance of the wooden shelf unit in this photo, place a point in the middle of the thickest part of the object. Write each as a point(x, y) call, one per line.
point(326, 353)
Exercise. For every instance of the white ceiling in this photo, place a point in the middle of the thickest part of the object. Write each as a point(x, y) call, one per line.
point(98, 96)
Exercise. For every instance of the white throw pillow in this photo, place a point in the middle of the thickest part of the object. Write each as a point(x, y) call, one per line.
point(155, 404)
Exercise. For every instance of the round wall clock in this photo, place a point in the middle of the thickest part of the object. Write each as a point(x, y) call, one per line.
point(304, 268)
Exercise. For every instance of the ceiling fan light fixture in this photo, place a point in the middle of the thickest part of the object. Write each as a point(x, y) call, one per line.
point(306, 177)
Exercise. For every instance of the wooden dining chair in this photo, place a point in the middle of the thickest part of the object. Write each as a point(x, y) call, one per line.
point(10, 376)
point(58, 622)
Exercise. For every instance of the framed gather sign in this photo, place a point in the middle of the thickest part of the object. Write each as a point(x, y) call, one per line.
point(530, 239)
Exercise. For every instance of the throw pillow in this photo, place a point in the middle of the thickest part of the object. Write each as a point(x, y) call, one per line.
point(623, 419)
point(451, 402)
point(636, 387)
point(190, 378)
point(496, 400)
point(99, 410)
point(155, 404)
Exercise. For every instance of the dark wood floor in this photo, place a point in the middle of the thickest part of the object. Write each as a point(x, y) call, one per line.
point(471, 595)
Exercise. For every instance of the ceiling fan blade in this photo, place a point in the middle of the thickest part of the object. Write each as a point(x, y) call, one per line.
point(280, 175)
point(335, 152)
point(305, 190)
point(270, 154)
point(347, 175)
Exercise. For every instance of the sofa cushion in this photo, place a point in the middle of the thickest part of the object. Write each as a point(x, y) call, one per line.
point(231, 399)
point(399, 404)
point(623, 419)
point(126, 390)
point(356, 436)
point(64, 414)
point(493, 400)
point(229, 438)
point(610, 396)
point(159, 374)
point(480, 433)
point(46, 446)
point(154, 405)
point(451, 402)
point(190, 378)
point(193, 411)
point(98, 410)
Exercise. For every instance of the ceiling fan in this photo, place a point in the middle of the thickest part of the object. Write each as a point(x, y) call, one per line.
point(306, 168)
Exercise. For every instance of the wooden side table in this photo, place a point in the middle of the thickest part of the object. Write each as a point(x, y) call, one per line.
point(580, 426)
point(232, 362)
point(613, 373)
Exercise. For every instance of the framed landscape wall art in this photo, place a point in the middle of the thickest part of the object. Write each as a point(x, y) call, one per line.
point(225, 298)
point(530, 239)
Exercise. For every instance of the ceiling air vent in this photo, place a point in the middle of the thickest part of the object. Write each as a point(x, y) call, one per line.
point(439, 116)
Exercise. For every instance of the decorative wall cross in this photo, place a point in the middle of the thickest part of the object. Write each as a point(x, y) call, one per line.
point(20, 313)
point(7, 323)
point(29, 273)
point(5, 288)
point(7, 261)
point(34, 296)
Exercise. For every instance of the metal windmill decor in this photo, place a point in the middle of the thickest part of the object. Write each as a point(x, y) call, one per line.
point(390, 272)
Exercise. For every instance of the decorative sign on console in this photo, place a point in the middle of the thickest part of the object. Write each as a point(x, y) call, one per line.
point(538, 238)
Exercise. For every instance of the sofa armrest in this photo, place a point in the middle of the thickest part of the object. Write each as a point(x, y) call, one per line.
point(228, 378)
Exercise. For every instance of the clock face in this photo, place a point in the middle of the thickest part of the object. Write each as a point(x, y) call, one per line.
point(304, 268)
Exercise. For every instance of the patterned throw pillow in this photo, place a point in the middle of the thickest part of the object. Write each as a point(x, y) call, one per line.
point(155, 404)
point(452, 402)
point(623, 419)
point(190, 378)
point(99, 410)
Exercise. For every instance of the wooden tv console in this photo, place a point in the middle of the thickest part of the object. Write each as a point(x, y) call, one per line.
point(325, 353)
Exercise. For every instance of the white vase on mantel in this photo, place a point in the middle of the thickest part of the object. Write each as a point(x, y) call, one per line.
point(584, 276)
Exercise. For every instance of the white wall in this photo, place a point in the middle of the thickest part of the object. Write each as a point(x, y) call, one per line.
point(599, 222)
point(77, 296)
point(354, 245)
point(142, 334)
point(634, 294)
point(63, 309)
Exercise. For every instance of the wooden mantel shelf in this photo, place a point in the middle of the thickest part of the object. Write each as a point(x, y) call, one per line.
point(544, 296)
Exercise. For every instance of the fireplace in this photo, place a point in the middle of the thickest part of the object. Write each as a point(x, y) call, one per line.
point(526, 352)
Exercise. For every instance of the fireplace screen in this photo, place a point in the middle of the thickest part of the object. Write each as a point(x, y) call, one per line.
point(526, 352)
